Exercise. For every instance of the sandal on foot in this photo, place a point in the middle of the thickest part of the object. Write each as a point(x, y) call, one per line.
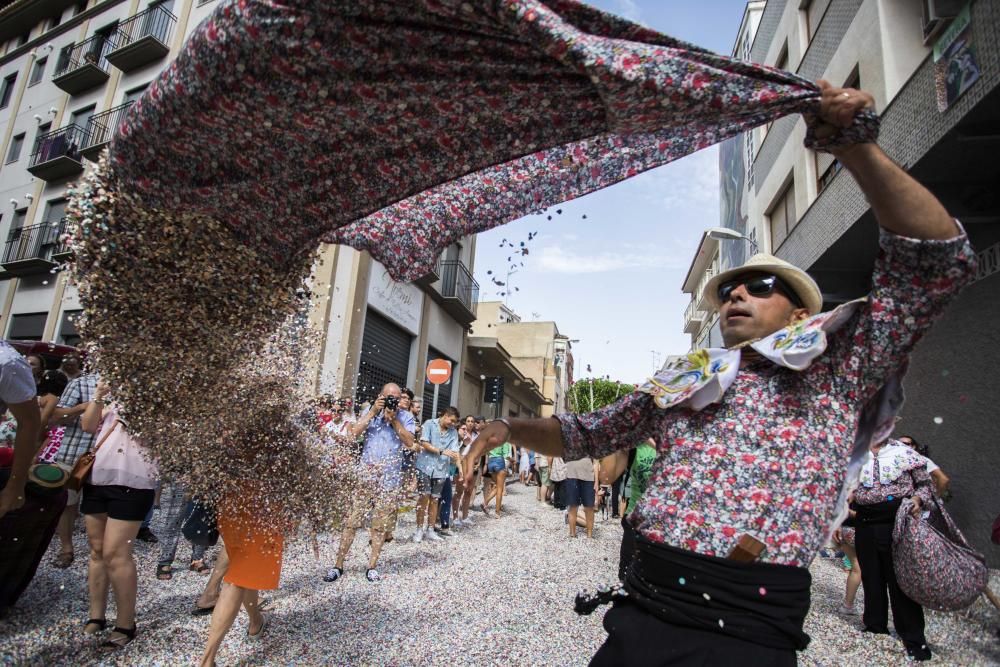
point(257, 635)
point(164, 572)
point(101, 623)
point(199, 566)
point(63, 560)
point(121, 642)
point(202, 611)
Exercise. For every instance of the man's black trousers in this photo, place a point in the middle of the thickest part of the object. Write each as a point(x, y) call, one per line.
point(637, 638)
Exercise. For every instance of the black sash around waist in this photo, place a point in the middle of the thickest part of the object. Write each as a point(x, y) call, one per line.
point(883, 512)
point(762, 603)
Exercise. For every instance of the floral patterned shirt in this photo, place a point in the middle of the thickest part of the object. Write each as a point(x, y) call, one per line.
point(770, 458)
point(907, 476)
point(8, 431)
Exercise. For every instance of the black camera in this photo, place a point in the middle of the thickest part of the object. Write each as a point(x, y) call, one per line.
point(391, 402)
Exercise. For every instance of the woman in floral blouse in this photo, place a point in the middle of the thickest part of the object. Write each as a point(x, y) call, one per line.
point(892, 473)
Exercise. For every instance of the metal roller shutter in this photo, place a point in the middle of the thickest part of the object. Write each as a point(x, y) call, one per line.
point(385, 356)
point(444, 394)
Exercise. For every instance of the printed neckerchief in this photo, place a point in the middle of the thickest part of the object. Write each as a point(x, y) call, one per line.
point(894, 458)
point(701, 378)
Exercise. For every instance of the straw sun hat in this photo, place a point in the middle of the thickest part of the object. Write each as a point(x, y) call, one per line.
point(798, 280)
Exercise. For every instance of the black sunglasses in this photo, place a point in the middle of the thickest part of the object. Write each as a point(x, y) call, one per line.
point(759, 286)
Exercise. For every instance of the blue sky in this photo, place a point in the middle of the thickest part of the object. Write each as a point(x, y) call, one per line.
point(614, 280)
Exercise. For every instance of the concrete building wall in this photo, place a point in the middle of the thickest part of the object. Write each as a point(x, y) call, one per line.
point(879, 39)
point(955, 383)
point(519, 400)
point(470, 394)
point(534, 348)
point(445, 334)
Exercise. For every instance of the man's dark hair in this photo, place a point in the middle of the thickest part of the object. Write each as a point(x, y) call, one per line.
point(450, 410)
point(408, 392)
point(480, 418)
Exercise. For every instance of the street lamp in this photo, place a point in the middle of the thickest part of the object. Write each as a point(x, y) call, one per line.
point(726, 234)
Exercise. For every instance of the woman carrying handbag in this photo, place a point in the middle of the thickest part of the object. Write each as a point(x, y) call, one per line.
point(117, 494)
point(892, 473)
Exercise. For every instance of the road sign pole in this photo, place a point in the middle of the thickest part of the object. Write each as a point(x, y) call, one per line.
point(434, 404)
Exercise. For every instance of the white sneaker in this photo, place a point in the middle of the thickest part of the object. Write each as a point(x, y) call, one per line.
point(433, 537)
point(418, 536)
point(848, 611)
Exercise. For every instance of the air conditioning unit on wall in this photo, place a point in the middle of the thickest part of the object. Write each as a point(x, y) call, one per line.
point(937, 14)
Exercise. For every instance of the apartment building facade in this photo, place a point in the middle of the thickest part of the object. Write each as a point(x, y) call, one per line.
point(735, 156)
point(69, 71)
point(933, 67)
point(537, 354)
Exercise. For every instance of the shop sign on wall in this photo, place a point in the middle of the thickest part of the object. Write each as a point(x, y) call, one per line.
point(955, 65)
point(401, 302)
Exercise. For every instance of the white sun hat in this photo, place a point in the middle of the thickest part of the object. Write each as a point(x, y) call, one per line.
point(798, 280)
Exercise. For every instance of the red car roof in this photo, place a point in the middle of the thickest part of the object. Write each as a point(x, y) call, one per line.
point(27, 347)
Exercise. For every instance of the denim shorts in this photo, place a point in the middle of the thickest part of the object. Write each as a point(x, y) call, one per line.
point(428, 486)
point(496, 464)
point(580, 492)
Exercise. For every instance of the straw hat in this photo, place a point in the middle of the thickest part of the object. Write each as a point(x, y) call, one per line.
point(798, 280)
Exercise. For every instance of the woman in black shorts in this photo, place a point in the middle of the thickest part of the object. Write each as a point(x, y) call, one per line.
point(115, 499)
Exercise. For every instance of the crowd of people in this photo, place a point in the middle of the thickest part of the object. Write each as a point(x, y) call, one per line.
point(429, 468)
point(423, 466)
point(406, 466)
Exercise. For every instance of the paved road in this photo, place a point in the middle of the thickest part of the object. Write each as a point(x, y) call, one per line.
point(497, 593)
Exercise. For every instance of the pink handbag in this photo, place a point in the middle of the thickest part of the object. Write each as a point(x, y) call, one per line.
point(935, 566)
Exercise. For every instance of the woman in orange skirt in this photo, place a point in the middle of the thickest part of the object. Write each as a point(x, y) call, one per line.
point(254, 565)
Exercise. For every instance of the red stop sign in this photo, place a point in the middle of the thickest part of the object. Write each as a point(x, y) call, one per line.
point(439, 371)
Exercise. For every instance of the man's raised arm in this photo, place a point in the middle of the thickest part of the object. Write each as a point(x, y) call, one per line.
point(924, 262)
point(901, 204)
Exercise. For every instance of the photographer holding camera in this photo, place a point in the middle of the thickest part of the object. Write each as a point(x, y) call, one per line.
point(388, 431)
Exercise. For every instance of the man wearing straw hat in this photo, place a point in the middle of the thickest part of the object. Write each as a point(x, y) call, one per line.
point(756, 440)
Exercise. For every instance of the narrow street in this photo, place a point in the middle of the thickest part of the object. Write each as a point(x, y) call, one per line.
point(499, 593)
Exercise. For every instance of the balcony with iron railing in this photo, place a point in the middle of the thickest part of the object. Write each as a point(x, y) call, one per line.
point(31, 250)
point(431, 277)
point(699, 292)
point(56, 154)
point(694, 317)
point(101, 128)
point(143, 38)
point(459, 291)
point(85, 67)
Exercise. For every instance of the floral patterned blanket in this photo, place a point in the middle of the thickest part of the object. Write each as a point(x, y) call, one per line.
point(396, 127)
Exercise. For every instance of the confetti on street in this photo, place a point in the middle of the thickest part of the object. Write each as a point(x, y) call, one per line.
point(498, 592)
